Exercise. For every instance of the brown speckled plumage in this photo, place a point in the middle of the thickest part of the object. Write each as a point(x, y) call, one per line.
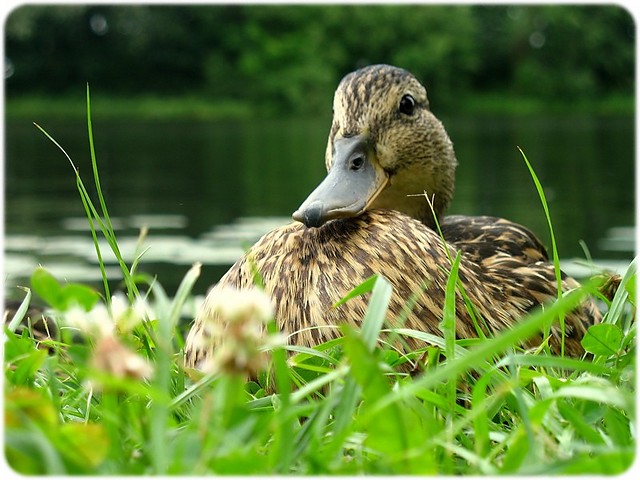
point(504, 268)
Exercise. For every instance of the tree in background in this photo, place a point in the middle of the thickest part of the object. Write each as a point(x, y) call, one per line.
point(289, 58)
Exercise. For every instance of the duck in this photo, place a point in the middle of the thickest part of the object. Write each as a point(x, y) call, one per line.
point(380, 210)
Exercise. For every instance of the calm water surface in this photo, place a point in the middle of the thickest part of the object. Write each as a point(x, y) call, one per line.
point(206, 190)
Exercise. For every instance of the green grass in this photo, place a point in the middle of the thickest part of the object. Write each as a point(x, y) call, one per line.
point(75, 404)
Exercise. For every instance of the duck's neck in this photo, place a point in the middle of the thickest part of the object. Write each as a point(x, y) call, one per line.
point(417, 194)
point(432, 208)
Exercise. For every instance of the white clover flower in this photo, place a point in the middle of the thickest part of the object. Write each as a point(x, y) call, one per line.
point(234, 325)
point(113, 357)
point(96, 323)
point(143, 309)
point(119, 307)
point(126, 317)
point(102, 322)
point(250, 305)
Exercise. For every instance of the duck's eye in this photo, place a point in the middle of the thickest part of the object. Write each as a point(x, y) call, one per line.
point(356, 163)
point(407, 105)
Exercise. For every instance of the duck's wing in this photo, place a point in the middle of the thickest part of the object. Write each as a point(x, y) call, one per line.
point(513, 257)
point(483, 237)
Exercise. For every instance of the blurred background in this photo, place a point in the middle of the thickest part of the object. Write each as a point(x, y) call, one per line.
point(210, 122)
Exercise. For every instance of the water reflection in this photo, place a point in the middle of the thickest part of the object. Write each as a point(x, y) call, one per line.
point(206, 191)
point(73, 257)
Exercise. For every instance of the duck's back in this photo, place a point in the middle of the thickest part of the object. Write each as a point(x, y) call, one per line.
point(483, 237)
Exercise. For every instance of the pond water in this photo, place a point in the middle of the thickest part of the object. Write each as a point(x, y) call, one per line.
point(206, 190)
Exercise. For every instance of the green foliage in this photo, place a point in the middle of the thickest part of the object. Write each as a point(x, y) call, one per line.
point(40, 444)
point(288, 58)
point(60, 296)
point(603, 339)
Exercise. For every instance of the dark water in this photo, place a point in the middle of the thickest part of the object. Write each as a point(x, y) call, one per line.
point(206, 190)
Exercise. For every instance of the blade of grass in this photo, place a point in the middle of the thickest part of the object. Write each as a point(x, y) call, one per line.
point(195, 389)
point(309, 437)
point(448, 327)
point(364, 287)
point(21, 311)
point(92, 214)
point(182, 295)
point(304, 353)
point(470, 457)
point(600, 391)
point(479, 407)
point(371, 326)
point(394, 339)
point(619, 299)
point(282, 452)
point(471, 309)
point(448, 323)
point(318, 383)
point(94, 165)
point(391, 432)
point(426, 337)
point(89, 210)
point(554, 247)
point(108, 231)
point(376, 313)
point(579, 424)
point(555, 362)
point(139, 251)
point(533, 452)
point(160, 428)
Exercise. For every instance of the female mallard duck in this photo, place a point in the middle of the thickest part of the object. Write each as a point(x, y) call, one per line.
point(385, 146)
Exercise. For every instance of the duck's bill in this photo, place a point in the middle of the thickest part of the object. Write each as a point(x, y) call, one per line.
point(352, 184)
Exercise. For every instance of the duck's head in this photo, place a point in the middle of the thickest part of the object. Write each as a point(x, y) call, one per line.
point(385, 150)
